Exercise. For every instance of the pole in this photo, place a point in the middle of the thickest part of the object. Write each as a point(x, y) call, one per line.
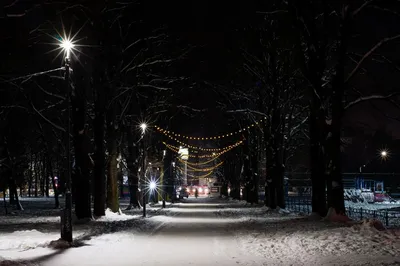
point(185, 172)
point(164, 194)
point(144, 176)
point(66, 216)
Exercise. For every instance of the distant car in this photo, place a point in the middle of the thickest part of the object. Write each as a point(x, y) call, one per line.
point(182, 192)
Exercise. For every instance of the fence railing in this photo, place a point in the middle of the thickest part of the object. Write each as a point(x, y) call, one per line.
point(387, 217)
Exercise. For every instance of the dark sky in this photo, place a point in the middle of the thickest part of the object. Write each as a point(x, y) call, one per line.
point(211, 28)
point(214, 30)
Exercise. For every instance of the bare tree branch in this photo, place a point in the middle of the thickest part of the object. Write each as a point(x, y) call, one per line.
point(358, 10)
point(246, 111)
point(379, 44)
point(370, 98)
point(47, 120)
point(49, 93)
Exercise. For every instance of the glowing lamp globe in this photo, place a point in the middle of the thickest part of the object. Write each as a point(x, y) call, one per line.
point(153, 185)
point(143, 126)
point(67, 46)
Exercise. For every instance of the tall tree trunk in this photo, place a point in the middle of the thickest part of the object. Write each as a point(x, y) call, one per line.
point(13, 190)
point(4, 198)
point(133, 168)
point(318, 176)
point(99, 167)
point(81, 178)
point(337, 113)
point(254, 168)
point(43, 176)
point(112, 173)
point(30, 178)
point(121, 183)
point(46, 173)
point(36, 169)
point(250, 189)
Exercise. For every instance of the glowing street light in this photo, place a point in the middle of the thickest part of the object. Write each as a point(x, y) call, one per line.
point(153, 185)
point(383, 155)
point(143, 126)
point(67, 46)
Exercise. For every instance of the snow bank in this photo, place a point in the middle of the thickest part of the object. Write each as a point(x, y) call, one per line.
point(288, 240)
point(26, 239)
point(373, 207)
point(115, 216)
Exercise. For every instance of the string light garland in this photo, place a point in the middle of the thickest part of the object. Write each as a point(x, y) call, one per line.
point(205, 169)
point(214, 154)
point(174, 134)
point(199, 148)
point(199, 176)
point(203, 163)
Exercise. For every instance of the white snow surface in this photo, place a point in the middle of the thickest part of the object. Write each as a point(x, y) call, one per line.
point(119, 216)
point(373, 206)
point(200, 231)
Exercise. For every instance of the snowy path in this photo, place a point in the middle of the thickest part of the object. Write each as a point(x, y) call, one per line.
point(203, 232)
point(192, 234)
point(197, 236)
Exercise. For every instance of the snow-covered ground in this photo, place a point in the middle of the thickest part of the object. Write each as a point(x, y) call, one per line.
point(198, 232)
point(373, 206)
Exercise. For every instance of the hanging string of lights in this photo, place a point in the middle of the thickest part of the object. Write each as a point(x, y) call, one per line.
point(205, 169)
point(203, 163)
point(197, 147)
point(214, 154)
point(197, 176)
point(174, 134)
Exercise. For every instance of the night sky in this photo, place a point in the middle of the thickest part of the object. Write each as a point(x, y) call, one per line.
point(215, 32)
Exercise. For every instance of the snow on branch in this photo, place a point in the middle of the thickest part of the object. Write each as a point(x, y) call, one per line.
point(11, 4)
point(370, 98)
point(191, 108)
point(149, 62)
point(387, 10)
point(144, 39)
point(271, 12)
point(155, 60)
point(379, 44)
point(246, 111)
point(46, 119)
point(153, 87)
point(358, 10)
point(295, 129)
point(49, 93)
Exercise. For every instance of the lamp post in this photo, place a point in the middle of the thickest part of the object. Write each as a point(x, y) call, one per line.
point(382, 154)
point(164, 194)
point(143, 126)
point(184, 154)
point(66, 216)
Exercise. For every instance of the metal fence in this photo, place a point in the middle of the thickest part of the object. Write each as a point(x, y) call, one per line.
point(387, 217)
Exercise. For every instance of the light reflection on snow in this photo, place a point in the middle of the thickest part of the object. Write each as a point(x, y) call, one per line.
point(195, 220)
point(209, 234)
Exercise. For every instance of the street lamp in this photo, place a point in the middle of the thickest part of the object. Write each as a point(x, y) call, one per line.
point(143, 126)
point(66, 216)
point(184, 154)
point(67, 46)
point(383, 154)
point(153, 185)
